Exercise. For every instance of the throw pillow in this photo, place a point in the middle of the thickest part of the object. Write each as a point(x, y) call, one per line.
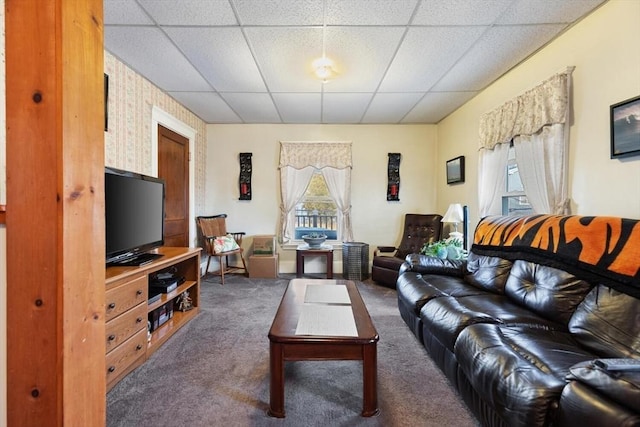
point(224, 244)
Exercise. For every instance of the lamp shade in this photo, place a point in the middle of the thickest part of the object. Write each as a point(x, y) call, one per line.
point(454, 214)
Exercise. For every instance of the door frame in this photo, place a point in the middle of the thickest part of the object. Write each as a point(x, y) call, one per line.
point(161, 117)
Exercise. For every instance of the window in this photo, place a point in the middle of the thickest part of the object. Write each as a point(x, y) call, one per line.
point(299, 163)
point(317, 211)
point(514, 199)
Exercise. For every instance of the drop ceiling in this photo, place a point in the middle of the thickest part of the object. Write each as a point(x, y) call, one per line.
point(396, 61)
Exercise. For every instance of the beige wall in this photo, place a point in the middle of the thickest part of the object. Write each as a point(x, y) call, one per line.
point(375, 220)
point(604, 49)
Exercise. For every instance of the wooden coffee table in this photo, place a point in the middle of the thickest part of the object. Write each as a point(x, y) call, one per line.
point(286, 346)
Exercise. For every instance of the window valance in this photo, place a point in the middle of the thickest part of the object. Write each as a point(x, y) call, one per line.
point(300, 155)
point(545, 104)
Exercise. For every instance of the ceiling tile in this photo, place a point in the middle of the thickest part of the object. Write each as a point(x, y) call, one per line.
point(253, 107)
point(298, 107)
point(370, 12)
point(421, 61)
point(190, 12)
point(149, 52)
point(460, 12)
point(285, 54)
point(124, 12)
point(344, 107)
point(435, 106)
point(278, 12)
point(252, 59)
point(208, 106)
point(498, 50)
point(222, 56)
point(540, 12)
point(362, 55)
point(391, 107)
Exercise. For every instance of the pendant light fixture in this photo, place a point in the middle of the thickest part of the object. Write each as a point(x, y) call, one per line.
point(324, 67)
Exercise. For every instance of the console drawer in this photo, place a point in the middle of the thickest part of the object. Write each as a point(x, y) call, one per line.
point(122, 360)
point(128, 295)
point(126, 325)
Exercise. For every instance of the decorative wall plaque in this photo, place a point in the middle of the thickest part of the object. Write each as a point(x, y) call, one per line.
point(393, 185)
point(245, 176)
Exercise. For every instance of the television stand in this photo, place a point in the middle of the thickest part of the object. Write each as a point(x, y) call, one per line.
point(137, 260)
point(130, 339)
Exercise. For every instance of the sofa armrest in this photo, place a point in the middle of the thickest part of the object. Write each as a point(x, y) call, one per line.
point(425, 264)
point(621, 386)
point(384, 250)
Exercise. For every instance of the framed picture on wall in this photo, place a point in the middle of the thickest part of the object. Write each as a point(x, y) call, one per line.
point(625, 128)
point(455, 170)
point(106, 102)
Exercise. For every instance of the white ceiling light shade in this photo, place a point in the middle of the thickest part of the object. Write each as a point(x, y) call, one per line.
point(324, 69)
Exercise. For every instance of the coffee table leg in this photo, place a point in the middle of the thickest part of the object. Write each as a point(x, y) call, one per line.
point(276, 389)
point(369, 381)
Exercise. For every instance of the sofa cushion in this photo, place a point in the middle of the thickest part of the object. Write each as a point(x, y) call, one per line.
point(487, 272)
point(445, 318)
point(551, 293)
point(413, 292)
point(608, 322)
point(415, 289)
point(432, 265)
point(520, 371)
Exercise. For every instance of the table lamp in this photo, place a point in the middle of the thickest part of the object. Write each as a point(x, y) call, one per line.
point(454, 216)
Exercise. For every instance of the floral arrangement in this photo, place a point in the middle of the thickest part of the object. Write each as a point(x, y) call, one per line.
point(450, 248)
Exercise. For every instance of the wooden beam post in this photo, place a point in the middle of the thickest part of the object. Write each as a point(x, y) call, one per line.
point(55, 213)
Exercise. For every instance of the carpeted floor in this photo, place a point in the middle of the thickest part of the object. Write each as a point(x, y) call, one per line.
point(215, 371)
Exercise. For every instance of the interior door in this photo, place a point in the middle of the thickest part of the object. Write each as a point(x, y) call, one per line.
point(173, 167)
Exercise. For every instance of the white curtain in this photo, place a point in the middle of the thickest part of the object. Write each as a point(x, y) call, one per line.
point(339, 184)
point(293, 184)
point(491, 178)
point(537, 122)
point(298, 161)
point(541, 160)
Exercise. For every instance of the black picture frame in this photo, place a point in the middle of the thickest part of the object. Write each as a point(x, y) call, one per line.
point(455, 170)
point(106, 102)
point(625, 128)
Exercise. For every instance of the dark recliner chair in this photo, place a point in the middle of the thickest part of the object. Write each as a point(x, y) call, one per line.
point(418, 230)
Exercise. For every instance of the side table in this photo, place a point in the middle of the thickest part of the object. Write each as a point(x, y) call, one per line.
point(304, 250)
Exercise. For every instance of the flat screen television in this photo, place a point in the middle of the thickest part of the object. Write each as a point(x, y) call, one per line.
point(134, 217)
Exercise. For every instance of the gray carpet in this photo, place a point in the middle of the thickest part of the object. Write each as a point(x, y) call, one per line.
point(215, 371)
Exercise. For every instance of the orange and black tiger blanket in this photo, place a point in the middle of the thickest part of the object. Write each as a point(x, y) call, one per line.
point(597, 248)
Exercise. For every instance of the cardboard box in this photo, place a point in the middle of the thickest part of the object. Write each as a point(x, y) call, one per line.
point(264, 245)
point(263, 266)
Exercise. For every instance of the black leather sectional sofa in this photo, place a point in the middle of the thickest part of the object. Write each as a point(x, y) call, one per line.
point(517, 328)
